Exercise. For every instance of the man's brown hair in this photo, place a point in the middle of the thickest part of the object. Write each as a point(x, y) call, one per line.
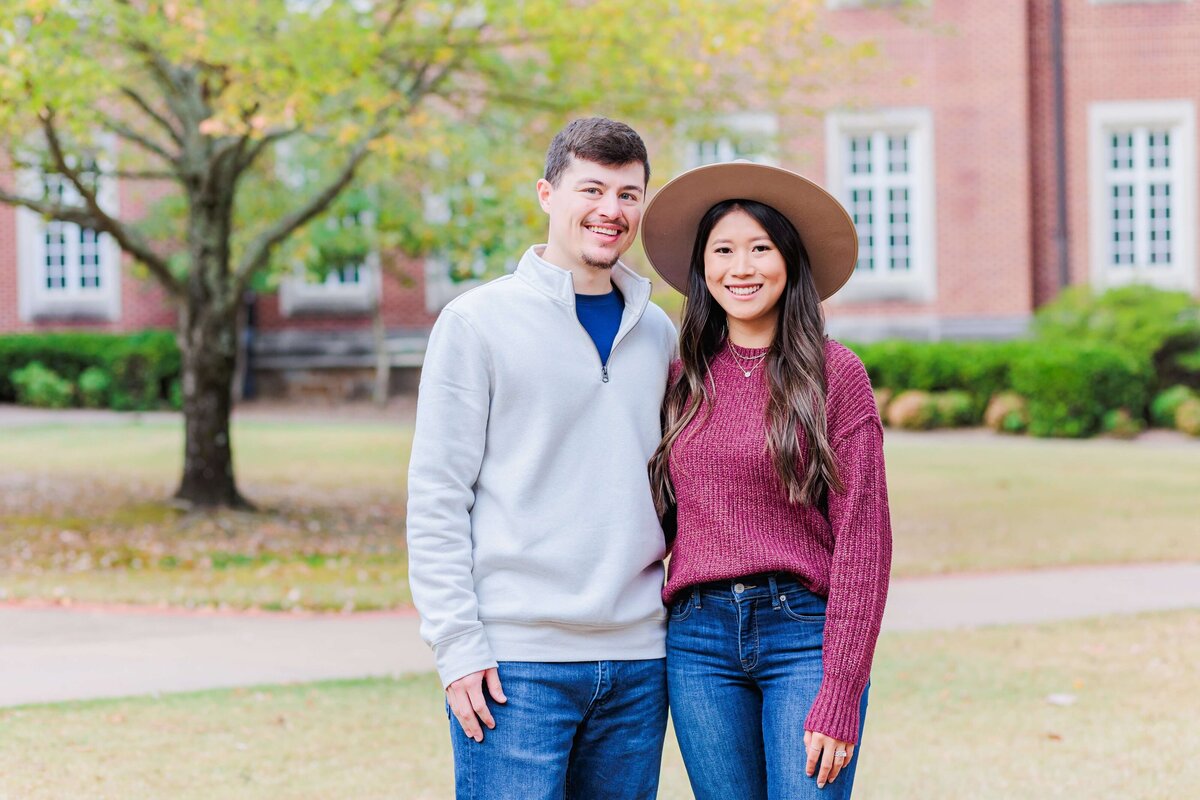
point(597, 139)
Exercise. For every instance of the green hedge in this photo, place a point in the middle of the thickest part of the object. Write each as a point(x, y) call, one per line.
point(981, 369)
point(1071, 387)
point(141, 367)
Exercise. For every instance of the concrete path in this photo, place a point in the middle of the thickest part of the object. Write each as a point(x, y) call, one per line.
point(53, 654)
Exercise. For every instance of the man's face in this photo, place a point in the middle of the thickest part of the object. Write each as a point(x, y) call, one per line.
point(594, 213)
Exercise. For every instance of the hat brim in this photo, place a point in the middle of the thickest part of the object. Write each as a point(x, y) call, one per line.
point(671, 218)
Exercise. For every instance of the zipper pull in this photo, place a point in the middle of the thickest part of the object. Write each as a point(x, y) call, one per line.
point(604, 373)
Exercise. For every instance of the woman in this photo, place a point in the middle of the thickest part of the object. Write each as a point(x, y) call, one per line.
point(772, 458)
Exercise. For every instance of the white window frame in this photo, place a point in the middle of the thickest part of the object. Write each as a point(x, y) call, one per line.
point(919, 282)
point(763, 125)
point(35, 301)
point(1179, 117)
point(300, 294)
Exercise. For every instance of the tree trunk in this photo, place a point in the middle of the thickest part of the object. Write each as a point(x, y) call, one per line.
point(209, 362)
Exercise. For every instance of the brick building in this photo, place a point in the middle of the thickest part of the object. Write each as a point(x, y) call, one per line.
point(997, 151)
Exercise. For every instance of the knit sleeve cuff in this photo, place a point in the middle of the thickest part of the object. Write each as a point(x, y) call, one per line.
point(835, 712)
point(462, 655)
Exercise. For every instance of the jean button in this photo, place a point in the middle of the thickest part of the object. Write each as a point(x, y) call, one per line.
point(739, 587)
point(783, 598)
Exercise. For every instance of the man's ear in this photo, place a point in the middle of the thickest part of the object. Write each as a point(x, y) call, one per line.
point(544, 190)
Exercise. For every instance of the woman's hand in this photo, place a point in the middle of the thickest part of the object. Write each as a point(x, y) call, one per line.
point(827, 754)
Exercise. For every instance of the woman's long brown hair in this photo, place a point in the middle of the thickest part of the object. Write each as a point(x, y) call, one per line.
point(795, 366)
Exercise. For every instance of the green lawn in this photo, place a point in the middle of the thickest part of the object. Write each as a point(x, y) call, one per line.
point(952, 715)
point(83, 513)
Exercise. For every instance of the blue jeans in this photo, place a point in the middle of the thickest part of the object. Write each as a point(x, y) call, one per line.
point(588, 729)
point(743, 670)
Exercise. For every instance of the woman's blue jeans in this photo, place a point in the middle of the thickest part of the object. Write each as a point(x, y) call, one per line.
point(591, 730)
point(743, 670)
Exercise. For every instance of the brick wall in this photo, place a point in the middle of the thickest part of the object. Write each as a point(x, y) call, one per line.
point(967, 62)
point(1113, 52)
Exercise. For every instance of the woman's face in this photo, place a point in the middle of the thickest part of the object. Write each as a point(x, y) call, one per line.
point(744, 270)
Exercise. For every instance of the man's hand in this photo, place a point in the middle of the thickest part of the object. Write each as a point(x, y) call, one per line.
point(825, 750)
point(468, 705)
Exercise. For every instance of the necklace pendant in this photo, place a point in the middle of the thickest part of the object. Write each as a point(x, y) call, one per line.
point(747, 374)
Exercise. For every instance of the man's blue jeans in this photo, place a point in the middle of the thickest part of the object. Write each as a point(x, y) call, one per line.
point(743, 670)
point(591, 730)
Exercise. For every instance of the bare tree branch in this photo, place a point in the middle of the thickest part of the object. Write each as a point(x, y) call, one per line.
point(139, 174)
point(392, 18)
point(162, 121)
point(259, 251)
point(63, 213)
point(128, 239)
point(141, 140)
point(250, 156)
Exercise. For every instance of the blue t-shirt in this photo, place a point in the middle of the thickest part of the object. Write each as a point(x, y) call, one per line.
point(600, 315)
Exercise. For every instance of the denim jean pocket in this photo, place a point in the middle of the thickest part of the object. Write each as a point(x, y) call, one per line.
point(803, 607)
point(681, 608)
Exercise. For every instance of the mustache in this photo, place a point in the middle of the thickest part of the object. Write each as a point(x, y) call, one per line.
point(623, 227)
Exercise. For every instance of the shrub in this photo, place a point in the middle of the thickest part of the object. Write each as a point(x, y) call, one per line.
point(1137, 319)
point(1187, 416)
point(1165, 405)
point(979, 368)
point(882, 398)
point(141, 365)
point(1007, 412)
point(913, 410)
point(1177, 362)
point(1118, 422)
point(94, 386)
point(955, 409)
point(1070, 387)
point(36, 385)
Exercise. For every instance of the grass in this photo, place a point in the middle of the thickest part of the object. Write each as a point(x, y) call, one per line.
point(962, 714)
point(84, 517)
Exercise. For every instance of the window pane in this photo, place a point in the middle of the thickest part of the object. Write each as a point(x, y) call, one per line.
point(860, 212)
point(1121, 151)
point(1160, 223)
point(898, 234)
point(859, 154)
point(897, 154)
point(1122, 224)
point(1159, 149)
point(89, 258)
point(56, 255)
point(708, 152)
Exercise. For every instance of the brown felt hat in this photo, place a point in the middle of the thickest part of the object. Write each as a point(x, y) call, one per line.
point(670, 220)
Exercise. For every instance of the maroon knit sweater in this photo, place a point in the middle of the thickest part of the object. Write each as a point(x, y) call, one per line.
point(734, 518)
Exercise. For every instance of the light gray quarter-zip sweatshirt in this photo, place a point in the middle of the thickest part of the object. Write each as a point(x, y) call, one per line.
point(532, 534)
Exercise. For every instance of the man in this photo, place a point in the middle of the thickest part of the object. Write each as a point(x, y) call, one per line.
point(535, 553)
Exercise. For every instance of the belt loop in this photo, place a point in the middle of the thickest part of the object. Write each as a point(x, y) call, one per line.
point(696, 597)
point(774, 592)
